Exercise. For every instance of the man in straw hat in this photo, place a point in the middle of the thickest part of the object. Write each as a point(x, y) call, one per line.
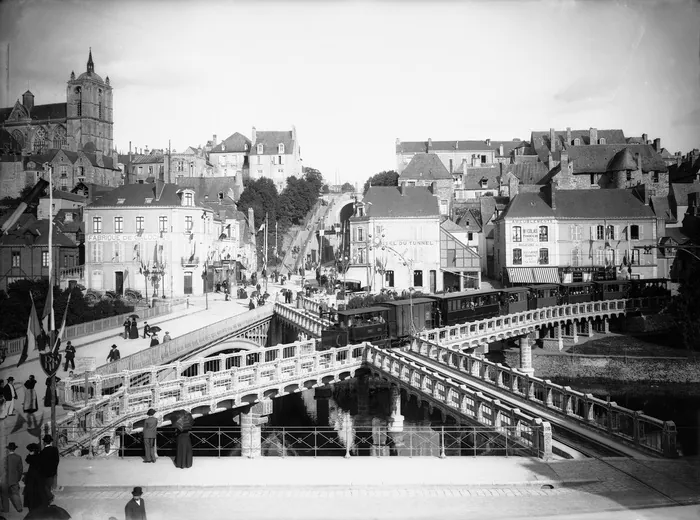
point(150, 428)
point(136, 508)
point(15, 470)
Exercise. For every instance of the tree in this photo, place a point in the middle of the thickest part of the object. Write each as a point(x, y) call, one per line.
point(385, 178)
point(347, 188)
point(685, 306)
point(325, 189)
point(261, 195)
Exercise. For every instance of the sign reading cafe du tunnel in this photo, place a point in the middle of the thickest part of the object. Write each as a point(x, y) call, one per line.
point(123, 237)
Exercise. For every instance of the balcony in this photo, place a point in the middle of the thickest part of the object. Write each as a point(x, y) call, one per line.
point(74, 273)
point(189, 261)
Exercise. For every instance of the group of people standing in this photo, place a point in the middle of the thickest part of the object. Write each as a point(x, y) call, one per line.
point(8, 396)
point(40, 478)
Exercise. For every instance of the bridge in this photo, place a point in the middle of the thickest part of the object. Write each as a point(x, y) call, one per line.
point(520, 408)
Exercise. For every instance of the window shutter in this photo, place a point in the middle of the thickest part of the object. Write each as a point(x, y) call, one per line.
point(592, 232)
point(641, 231)
point(617, 232)
point(572, 232)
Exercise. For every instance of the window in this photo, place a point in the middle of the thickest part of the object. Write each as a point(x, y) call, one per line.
point(64, 184)
point(635, 256)
point(450, 165)
point(360, 234)
point(517, 234)
point(79, 101)
point(634, 232)
point(418, 278)
point(97, 252)
point(139, 224)
point(16, 259)
point(389, 277)
point(260, 150)
point(118, 224)
point(577, 142)
point(483, 159)
point(150, 170)
point(97, 224)
point(189, 199)
point(593, 179)
point(280, 148)
point(189, 224)
point(470, 236)
point(100, 108)
point(600, 233)
point(361, 255)
point(576, 257)
point(655, 177)
point(517, 256)
point(629, 175)
point(279, 159)
point(44, 259)
point(601, 140)
point(544, 234)
point(40, 140)
point(544, 256)
point(484, 183)
point(610, 233)
point(59, 137)
point(576, 232)
point(163, 224)
point(600, 257)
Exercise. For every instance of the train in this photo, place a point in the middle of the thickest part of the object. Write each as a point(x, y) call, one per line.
point(392, 322)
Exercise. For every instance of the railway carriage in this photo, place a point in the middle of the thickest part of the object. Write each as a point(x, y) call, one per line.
point(577, 292)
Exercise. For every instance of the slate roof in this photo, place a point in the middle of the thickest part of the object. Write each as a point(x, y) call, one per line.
point(599, 158)
point(540, 139)
point(662, 208)
point(236, 142)
point(623, 160)
point(448, 225)
point(67, 195)
point(388, 202)
point(270, 140)
point(676, 234)
point(425, 166)
point(28, 223)
point(472, 179)
point(682, 190)
point(53, 111)
point(135, 195)
point(211, 187)
point(453, 146)
point(528, 172)
point(470, 220)
point(73, 226)
point(687, 171)
point(147, 158)
point(584, 204)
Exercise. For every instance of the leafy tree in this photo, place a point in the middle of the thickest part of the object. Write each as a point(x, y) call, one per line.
point(325, 189)
point(385, 178)
point(685, 306)
point(261, 195)
point(347, 188)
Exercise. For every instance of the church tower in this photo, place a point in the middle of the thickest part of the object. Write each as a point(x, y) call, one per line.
point(89, 112)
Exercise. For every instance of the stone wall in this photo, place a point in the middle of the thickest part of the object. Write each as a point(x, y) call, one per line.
point(613, 368)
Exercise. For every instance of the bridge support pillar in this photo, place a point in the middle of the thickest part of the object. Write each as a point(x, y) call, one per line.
point(555, 340)
point(588, 324)
point(526, 355)
point(606, 325)
point(251, 429)
point(396, 423)
point(574, 331)
point(322, 394)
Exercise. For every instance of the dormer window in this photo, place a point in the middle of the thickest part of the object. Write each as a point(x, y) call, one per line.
point(577, 142)
point(120, 201)
point(601, 140)
point(260, 149)
point(221, 196)
point(280, 148)
point(484, 183)
point(149, 200)
point(188, 199)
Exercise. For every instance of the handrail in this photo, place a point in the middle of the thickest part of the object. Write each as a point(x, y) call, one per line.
point(630, 426)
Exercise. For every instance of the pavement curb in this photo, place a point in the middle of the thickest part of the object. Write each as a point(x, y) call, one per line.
point(476, 485)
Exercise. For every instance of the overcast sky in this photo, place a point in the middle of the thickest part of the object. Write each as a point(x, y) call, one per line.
point(354, 76)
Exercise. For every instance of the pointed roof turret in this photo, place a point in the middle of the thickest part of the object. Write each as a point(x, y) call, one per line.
point(90, 63)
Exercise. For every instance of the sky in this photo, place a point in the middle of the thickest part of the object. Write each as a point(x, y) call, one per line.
point(354, 76)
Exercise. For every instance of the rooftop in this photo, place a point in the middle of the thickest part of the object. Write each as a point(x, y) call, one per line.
point(392, 202)
point(139, 195)
point(236, 142)
point(425, 166)
point(456, 146)
point(270, 141)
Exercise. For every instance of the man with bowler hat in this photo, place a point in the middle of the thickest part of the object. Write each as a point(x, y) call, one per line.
point(150, 427)
point(10, 395)
point(15, 470)
point(48, 464)
point(70, 357)
point(135, 508)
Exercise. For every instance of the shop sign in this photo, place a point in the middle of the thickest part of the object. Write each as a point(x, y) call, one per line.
point(123, 237)
point(431, 243)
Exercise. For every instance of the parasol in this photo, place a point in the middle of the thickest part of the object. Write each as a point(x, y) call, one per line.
point(183, 421)
point(135, 316)
point(155, 328)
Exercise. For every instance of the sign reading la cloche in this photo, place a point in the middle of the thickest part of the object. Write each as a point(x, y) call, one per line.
point(122, 237)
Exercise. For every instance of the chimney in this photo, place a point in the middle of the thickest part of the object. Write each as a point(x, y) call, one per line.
point(213, 140)
point(251, 216)
point(160, 184)
point(430, 145)
point(593, 136)
point(294, 133)
point(552, 140)
point(433, 188)
point(552, 193)
point(638, 158)
point(657, 144)
point(488, 142)
point(564, 164)
point(146, 150)
point(398, 142)
point(28, 101)
point(568, 136)
point(253, 137)
point(645, 139)
point(500, 150)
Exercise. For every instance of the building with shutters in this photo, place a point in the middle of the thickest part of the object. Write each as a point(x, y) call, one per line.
point(554, 236)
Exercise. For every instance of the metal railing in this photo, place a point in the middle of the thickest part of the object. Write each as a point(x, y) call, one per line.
point(342, 440)
point(80, 330)
point(628, 426)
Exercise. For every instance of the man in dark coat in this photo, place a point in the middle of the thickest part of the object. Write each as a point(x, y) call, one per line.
point(10, 389)
point(15, 470)
point(136, 507)
point(48, 464)
point(146, 329)
point(154, 340)
point(113, 355)
point(70, 357)
point(150, 428)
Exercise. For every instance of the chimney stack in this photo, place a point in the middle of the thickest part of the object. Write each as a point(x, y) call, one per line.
point(568, 136)
point(645, 139)
point(500, 150)
point(552, 140)
point(253, 137)
point(28, 100)
point(430, 145)
point(488, 142)
point(552, 193)
point(657, 144)
point(251, 220)
point(593, 136)
point(213, 140)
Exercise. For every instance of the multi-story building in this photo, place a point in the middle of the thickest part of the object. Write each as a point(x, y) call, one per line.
point(275, 155)
point(230, 156)
point(426, 170)
point(553, 236)
point(192, 162)
point(156, 238)
point(453, 153)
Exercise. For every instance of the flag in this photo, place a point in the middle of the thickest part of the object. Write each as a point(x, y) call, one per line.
point(155, 254)
point(46, 315)
point(63, 325)
point(33, 332)
point(262, 227)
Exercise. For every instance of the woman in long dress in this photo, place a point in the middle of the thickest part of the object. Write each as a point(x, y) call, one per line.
point(47, 395)
point(183, 457)
point(31, 404)
point(35, 495)
point(133, 330)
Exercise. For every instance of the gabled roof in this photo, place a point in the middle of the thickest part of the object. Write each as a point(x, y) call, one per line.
point(389, 202)
point(66, 195)
point(151, 158)
point(528, 172)
point(211, 187)
point(425, 166)
point(599, 158)
point(584, 204)
point(470, 220)
point(662, 208)
point(38, 229)
point(236, 142)
point(448, 225)
point(54, 111)
point(677, 234)
point(135, 195)
point(270, 140)
point(456, 146)
point(72, 226)
point(681, 191)
point(541, 139)
point(472, 179)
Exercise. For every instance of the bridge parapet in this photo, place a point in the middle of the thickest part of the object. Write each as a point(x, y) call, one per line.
point(461, 401)
point(242, 378)
point(474, 333)
point(631, 427)
point(303, 319)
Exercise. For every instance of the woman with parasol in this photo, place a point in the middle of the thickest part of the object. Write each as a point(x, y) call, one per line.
point(183, 425)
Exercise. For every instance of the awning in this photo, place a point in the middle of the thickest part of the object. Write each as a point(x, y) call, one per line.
point(546, 275)
point(355, 274)
point(520, 275)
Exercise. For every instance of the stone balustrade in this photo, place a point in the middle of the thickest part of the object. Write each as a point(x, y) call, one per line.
point(302, 319)
point(462, 402)
point(629, 426)
point(476, 333)
point(243, 377)
point(77, 271)
point(309, 304)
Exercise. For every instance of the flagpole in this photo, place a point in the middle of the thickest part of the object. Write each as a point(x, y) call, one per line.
point(52, 323)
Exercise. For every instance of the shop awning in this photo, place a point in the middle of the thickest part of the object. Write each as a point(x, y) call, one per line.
point(520, 275)
point(546, 274)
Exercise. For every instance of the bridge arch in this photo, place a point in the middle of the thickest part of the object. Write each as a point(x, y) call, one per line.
point(228, 346)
